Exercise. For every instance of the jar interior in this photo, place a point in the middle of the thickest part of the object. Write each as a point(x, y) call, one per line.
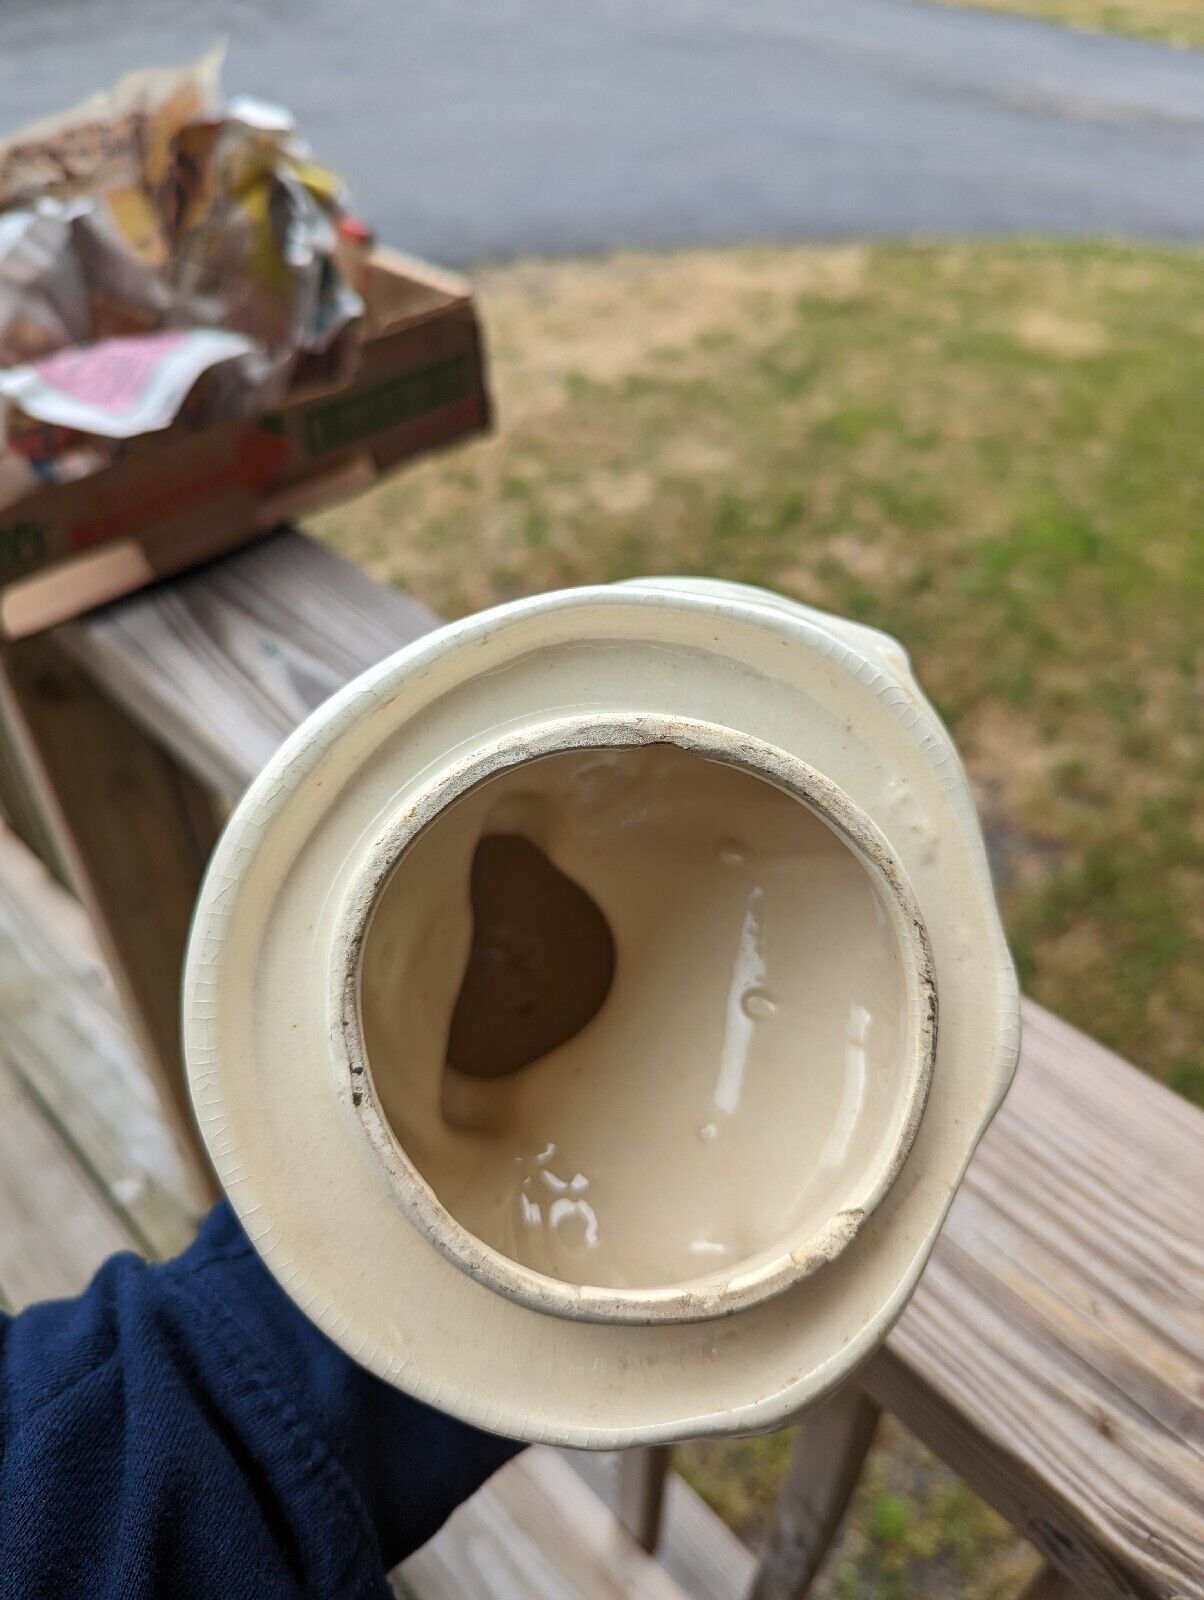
point(638, 1017)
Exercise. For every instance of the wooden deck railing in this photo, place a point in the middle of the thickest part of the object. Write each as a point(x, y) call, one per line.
point(1053, 1352)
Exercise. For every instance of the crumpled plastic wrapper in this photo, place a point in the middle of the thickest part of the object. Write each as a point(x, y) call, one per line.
point(166, 257)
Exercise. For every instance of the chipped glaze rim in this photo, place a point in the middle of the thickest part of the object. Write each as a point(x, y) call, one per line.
point(717, 1294)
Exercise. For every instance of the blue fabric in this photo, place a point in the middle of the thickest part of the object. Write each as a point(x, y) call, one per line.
point(182, 1430)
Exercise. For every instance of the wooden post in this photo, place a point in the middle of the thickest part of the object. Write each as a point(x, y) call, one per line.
point(19, 808)
point(1049, 1584)
point(822, 1475)
point(642, 1475)
point(133, 832)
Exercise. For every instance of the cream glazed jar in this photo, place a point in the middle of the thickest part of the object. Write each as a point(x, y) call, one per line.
point(591, 1010)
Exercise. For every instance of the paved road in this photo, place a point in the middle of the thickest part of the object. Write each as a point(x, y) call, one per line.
point(475, 128)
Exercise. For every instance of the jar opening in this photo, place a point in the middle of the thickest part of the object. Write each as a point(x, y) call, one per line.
point(638, 1019)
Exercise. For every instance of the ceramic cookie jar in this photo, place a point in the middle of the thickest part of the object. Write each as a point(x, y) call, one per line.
point(591, 1010)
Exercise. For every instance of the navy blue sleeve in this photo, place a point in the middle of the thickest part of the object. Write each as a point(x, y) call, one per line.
point(182, 1430)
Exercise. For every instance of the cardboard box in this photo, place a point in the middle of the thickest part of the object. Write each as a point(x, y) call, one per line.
point(181, 496)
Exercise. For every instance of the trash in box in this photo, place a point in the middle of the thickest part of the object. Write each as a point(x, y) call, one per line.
point(197, 339)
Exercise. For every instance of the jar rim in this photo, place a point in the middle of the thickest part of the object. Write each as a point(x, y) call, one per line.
point(717, 1294)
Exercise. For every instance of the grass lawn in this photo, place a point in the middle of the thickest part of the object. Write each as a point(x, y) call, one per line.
point(1179, 22)
point(994, 451)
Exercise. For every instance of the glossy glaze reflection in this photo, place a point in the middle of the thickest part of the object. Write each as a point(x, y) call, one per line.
point(741, 1067)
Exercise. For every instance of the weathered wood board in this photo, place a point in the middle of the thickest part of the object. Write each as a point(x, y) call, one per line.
point(698, 1551)
point(1063, 1312)
point(537, 1533)
point(221, 664)
point(64, 1037)
point(132, 830)
point(56, 1226)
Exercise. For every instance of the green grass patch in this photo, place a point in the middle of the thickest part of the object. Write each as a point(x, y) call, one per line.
point(913, 1531)
point(1177, 22)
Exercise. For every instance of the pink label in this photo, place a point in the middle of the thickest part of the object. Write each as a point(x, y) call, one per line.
point(111, 374)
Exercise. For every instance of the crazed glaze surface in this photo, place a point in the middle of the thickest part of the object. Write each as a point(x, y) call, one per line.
point(742, 1070)
point(272, 1006)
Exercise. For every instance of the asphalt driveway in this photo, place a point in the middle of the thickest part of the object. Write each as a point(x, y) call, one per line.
point(474, 128)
